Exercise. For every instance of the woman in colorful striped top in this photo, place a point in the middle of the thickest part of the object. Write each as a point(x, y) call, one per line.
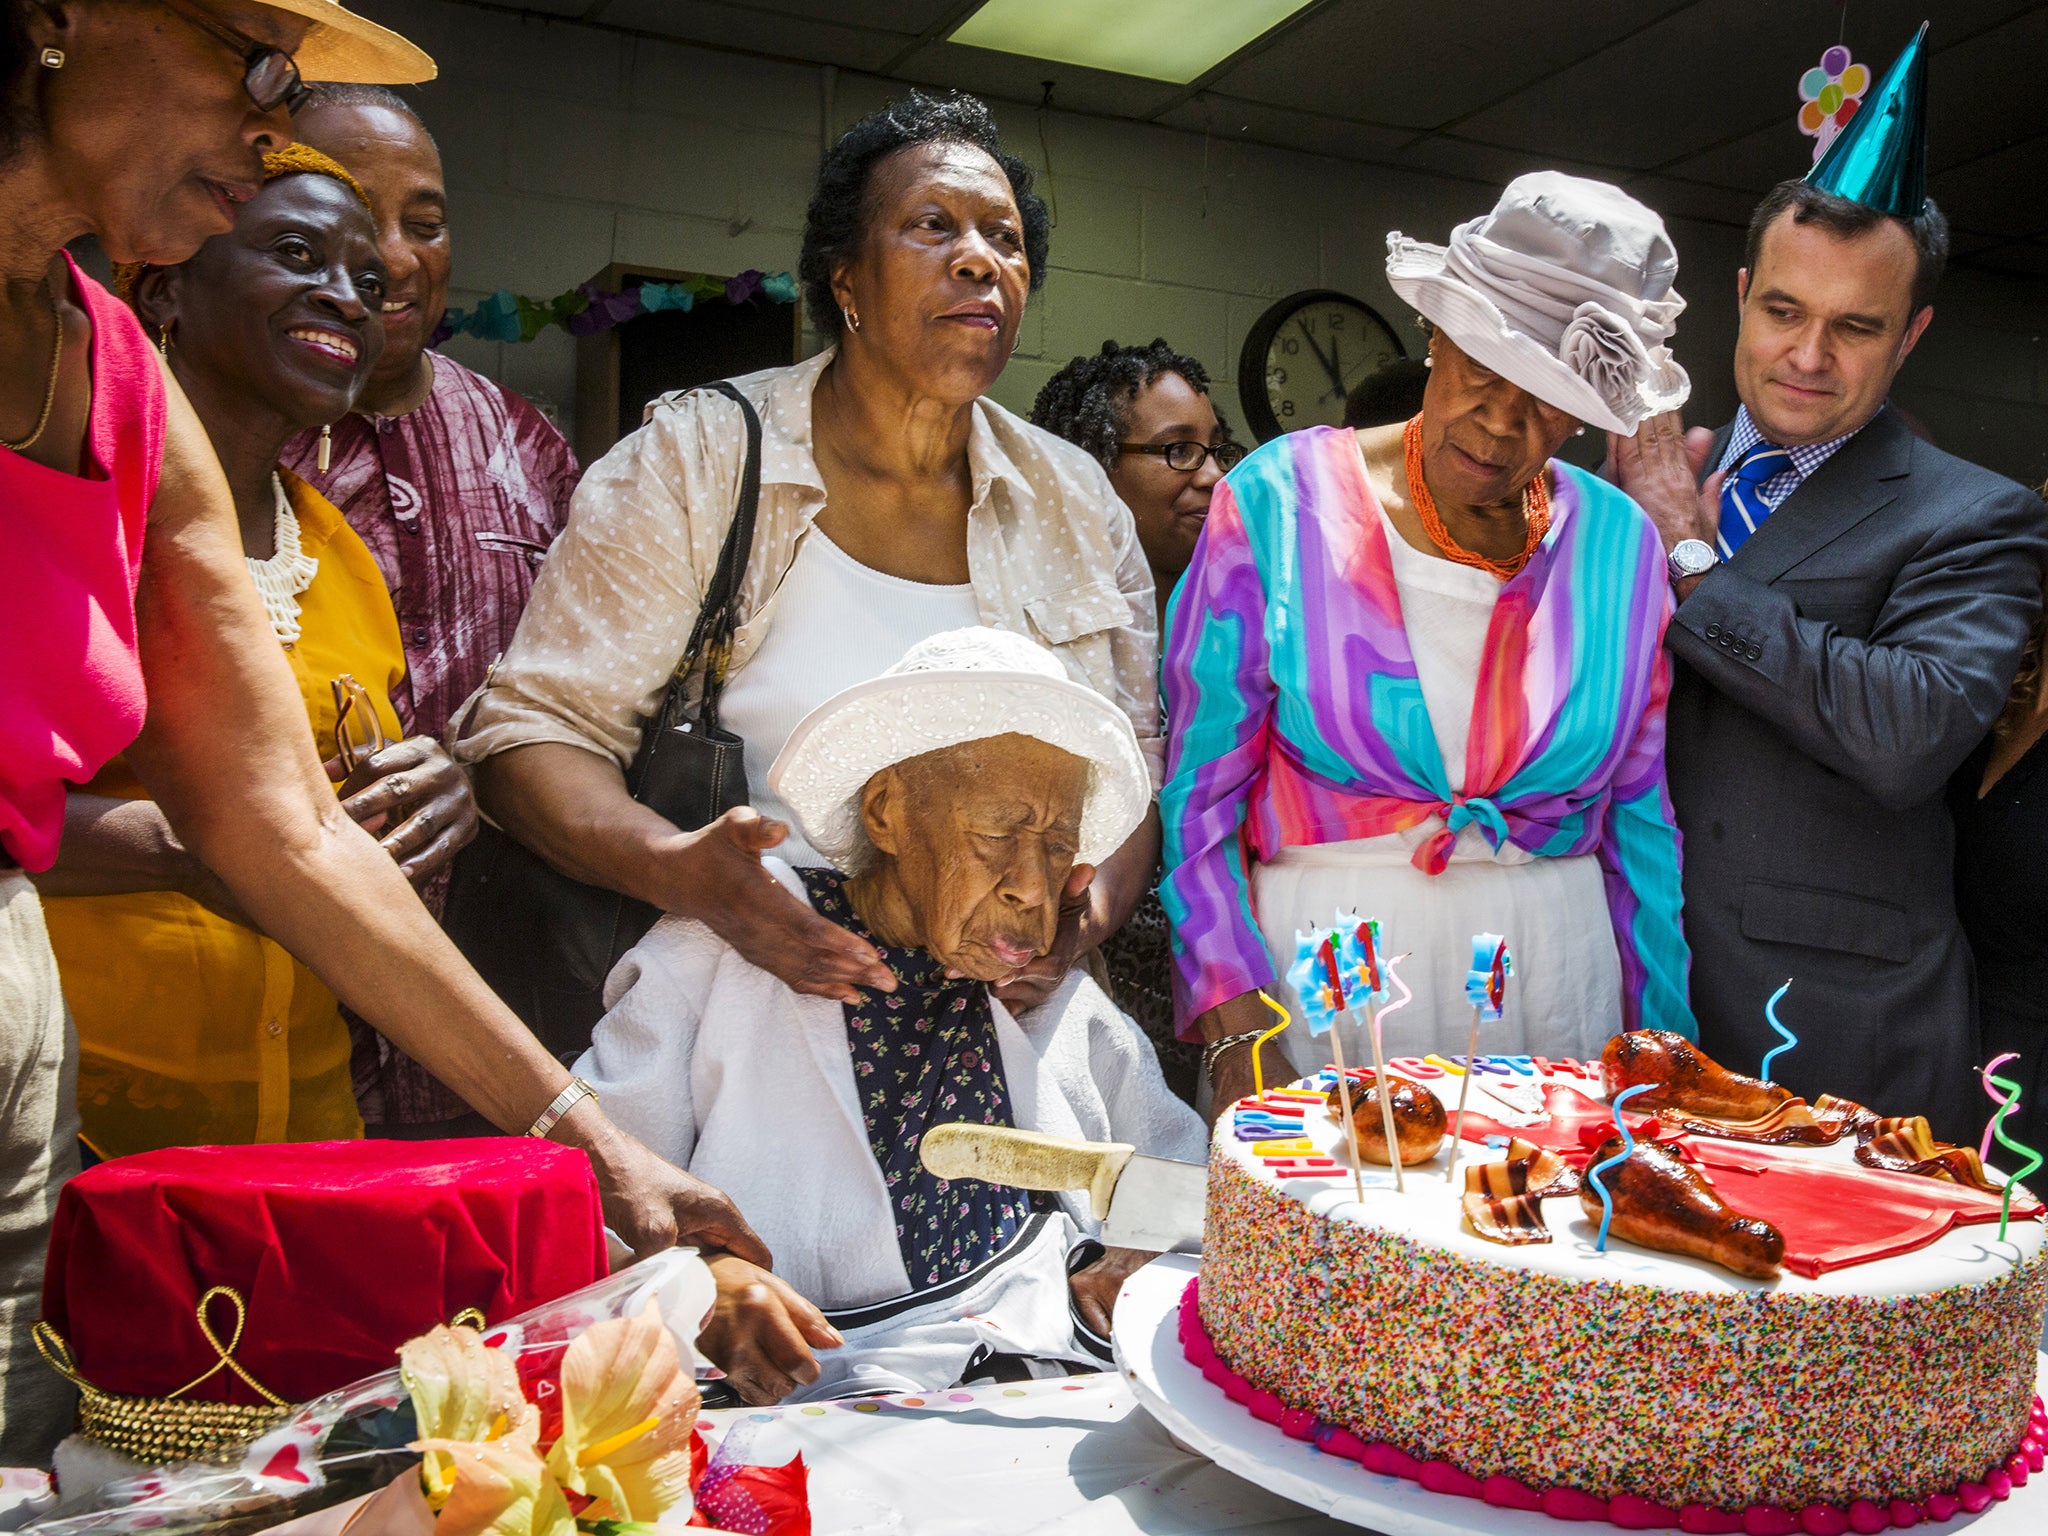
point(1417, 672)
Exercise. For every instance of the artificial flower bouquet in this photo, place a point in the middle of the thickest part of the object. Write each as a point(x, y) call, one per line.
point(579, 1416)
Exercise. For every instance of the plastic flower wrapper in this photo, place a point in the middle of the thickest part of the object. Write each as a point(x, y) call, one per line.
point(357, 1440)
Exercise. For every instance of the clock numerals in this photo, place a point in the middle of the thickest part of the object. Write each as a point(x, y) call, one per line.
point(1304, 356)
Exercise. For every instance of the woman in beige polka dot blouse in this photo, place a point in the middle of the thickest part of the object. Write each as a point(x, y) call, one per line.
point(896, 503)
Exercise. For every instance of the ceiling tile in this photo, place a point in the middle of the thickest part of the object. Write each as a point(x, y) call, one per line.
point(1011, 77)
point(1288, 128)
point(1978, 90)
point(1997, 194)
point(1360, 60)
point(1714, 71)
point(756, 29)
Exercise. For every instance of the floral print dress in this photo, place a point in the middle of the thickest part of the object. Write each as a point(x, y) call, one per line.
point(924, 1055)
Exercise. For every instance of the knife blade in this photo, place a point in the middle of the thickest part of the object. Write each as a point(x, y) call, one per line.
point(1149, 1203)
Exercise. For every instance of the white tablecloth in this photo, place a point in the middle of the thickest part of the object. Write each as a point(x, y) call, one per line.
point(1042, 1458)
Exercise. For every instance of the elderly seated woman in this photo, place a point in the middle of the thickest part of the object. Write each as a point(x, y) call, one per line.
point(957, 795)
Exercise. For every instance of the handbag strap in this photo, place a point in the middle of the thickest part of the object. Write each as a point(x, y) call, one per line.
point(710, 644)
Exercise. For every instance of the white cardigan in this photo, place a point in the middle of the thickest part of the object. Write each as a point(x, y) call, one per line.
point(724, 1070)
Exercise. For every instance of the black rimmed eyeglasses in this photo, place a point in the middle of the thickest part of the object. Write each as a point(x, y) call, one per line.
point(269, 75)
point(1187, 457)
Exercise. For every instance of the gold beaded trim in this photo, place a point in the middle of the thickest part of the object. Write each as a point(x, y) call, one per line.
point(159, 1430)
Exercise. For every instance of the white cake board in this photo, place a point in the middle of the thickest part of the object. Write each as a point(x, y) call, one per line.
point(1148, 1352)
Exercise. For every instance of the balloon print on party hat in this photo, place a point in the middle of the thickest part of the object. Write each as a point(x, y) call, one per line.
point(1830, 94)
point(1880, 158)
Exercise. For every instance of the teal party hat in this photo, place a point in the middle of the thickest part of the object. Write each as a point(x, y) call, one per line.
point(1880, 158)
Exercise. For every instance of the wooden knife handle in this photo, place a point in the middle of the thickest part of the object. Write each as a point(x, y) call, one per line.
point(1025, 1160)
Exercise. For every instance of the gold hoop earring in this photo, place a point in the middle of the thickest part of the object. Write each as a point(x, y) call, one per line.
point(53, 58)
point(852, 319)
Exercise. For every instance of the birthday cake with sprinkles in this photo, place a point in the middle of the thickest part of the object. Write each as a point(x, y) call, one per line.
point(1723, 1309)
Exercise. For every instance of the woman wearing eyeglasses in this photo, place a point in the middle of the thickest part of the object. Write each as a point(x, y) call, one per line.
point(1145, 415)
point(124, 592)
point(194, 1029)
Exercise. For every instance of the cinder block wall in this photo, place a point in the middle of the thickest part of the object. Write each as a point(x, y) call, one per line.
point(569, 147)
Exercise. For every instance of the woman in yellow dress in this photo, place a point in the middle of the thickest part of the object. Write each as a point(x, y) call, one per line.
point(193, 1027)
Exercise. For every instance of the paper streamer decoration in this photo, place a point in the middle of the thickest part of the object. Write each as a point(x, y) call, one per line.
point(1486, 982)
point(2033, 1159)
point(1997, 1099)
point(586, 310)
point(1829, 95)
point(1628, 1145)
point(1784, 1034)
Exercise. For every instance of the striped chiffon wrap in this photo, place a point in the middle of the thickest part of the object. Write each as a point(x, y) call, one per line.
point(1296, 715)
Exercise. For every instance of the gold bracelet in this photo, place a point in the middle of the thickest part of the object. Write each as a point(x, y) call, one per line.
point(577, 1091)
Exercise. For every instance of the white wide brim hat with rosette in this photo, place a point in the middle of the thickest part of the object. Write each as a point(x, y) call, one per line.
point(1565, 289)
point(960, 686)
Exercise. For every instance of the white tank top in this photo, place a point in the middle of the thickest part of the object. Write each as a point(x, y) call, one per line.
point(837, 623)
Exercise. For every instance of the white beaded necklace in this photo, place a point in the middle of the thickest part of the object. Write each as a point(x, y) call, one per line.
point(287, 573)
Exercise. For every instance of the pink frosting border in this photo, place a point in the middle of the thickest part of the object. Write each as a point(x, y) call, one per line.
point(1624, 1510)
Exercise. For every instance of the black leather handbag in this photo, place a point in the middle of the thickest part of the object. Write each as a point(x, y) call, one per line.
point(545, 942)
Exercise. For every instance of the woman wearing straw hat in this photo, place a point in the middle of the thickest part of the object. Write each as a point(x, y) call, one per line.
point(144, 122)
point(1416, 671)
point(954, 796)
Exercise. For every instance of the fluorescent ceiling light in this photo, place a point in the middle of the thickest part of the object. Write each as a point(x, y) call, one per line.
point(1175, 40)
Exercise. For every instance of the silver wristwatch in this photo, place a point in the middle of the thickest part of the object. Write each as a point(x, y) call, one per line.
point(1691, 557)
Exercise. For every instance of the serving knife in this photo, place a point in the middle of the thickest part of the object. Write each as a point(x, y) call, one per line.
point(1149, 1203)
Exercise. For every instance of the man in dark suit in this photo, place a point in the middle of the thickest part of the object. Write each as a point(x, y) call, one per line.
point(1852, 603)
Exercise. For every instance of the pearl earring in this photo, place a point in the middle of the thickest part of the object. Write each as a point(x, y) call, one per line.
point(1429, 359)
point(326, 450)
point(1580, 433)
point(852, 319)
point(53, 58)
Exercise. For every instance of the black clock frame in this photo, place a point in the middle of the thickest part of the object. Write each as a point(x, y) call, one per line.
point(1251, 361)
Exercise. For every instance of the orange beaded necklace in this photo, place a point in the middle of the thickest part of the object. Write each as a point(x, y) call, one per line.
point(1535, 512)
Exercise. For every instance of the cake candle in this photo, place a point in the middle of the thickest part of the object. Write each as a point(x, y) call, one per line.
point(1486, 986)
point(2033, 1163)
point(1997, 1100)
point(1784, 1034)
point(1361, 957)
point(1628, 1145)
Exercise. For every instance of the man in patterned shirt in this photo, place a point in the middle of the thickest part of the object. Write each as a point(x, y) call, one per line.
point(457, 485)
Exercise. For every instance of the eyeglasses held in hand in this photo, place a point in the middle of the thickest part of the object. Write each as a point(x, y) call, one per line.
point(269, 75)
point(358, 733)
point(1187, 457)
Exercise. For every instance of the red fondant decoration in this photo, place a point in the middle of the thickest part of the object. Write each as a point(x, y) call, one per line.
point(341, 1250)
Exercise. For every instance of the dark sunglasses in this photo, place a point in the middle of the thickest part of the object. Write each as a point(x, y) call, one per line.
point(1187, 457)
point(269, 75)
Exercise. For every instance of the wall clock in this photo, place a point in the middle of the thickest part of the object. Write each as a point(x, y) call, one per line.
point(1302, 357)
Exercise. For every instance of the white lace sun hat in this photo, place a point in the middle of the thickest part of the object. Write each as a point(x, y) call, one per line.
point(960, 686)
point(1565, 289)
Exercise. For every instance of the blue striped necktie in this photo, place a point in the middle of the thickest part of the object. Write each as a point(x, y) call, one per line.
point(1742, 503)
